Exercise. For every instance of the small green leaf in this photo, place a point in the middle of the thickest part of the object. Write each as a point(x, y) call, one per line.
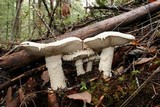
point(83, 86)
point(135, 72)
point(121, 78)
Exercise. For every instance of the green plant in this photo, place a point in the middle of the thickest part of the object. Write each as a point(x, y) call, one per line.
point(121, 79)
point(135, 72)
point(83, 86)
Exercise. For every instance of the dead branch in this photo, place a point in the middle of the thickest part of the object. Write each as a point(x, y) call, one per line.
point(27, 73)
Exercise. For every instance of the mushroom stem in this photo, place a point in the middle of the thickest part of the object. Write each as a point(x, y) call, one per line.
point(89, 66)
point(55, 71)
point(79, 67)
point(105, 64)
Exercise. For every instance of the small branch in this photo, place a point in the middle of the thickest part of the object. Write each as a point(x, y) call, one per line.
point(54, 37)
point(100, 101)
point(9, 52)
point(110, 7)
point(27, 73)
point(52, 16)
point(45, 5)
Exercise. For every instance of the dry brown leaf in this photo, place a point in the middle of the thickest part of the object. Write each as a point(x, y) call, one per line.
point(9, 95)
point(10, 101)
point(65, 9)
point(143, 60)
point(85, 96)
point(45, 77)
point(21, 94)
point(31, 83)
point(119, 70)
point(152, 50)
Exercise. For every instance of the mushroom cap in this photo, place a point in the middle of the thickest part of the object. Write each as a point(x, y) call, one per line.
point(64, 46)
point(33, 47)
point(80, 54)
point(108, 39)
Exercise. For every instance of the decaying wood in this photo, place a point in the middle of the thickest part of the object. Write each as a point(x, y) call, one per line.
point(16, 60)
point(22, 58)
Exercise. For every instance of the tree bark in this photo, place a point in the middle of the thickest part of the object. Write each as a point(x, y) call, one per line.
point(17, 59)
point(22, 58)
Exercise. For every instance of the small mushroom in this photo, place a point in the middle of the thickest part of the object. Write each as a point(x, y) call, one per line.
point(77, 57)
point(89, 61)
point(105, 43)
point(53, 53)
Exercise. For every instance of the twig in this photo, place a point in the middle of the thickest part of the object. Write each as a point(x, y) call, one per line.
point(100, 101)
point(52, 16)
point(140, 88)
point(54, 37)
point(10, 51)
point(153, 35)
point(153, 97)
point(27, 96)
point(45, 5)
point(28, 73)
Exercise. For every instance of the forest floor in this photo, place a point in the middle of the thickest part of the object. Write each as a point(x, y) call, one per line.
point(135, 81)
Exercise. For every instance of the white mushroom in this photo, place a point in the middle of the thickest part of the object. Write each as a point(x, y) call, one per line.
point(53, 53)
point(105, 42)
point(78, 56)
point(89, 61)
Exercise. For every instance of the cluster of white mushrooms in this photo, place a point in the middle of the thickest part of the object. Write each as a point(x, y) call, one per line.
point(75, 49)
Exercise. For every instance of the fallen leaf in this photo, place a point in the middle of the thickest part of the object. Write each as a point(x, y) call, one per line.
point(31, 83)
point(10, 101)
point(21, 94)
point(143, 60)
point(119, 70)
point(45, 77)
point(85, 96)
point(65, 9)
point(9, 95)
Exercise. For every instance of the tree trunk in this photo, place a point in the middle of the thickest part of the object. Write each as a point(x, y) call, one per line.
point(15, 30)
point(17, 60)
point(22, 58)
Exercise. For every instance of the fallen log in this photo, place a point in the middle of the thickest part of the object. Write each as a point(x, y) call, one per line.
point(22, 58)
point(17, 60)
point(113, 22)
